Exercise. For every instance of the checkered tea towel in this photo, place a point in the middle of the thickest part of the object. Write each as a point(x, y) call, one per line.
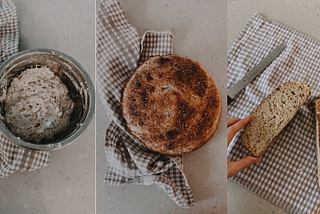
point(14, 158)
point(287, 174)
point(119, 51)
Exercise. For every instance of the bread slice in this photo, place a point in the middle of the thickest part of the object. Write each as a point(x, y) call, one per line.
point(272, 115)
point(317, 115)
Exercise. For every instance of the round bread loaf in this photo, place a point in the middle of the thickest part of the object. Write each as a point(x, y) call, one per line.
point(171, 105)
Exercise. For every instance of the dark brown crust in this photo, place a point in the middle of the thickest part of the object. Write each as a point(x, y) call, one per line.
point(171, 105)
point(245, 130)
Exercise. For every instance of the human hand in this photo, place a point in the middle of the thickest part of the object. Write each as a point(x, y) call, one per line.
point(234, 125)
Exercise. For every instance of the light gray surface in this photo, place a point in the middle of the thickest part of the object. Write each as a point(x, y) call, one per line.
point(199, 30)
point(67, 184)
point(303, 16)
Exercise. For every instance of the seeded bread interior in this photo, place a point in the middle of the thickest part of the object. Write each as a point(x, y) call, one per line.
point(272, 115)
point(317, 117)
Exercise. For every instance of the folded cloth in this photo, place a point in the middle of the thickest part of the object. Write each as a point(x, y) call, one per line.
point(14, 158)
point(119, 51)
point(287, 174)
point(9, 31)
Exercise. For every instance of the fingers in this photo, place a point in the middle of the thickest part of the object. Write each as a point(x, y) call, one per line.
point(234, 167)
point(231, 121)
point(235, 125)
point(233, 129)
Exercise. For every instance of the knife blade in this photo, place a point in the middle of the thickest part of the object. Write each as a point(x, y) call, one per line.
point(265, 62)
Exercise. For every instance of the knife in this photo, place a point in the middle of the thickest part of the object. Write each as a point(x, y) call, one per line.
point(241, 84)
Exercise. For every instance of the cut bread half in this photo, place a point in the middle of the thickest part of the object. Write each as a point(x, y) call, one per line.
point(317, 116)
point(272, 115)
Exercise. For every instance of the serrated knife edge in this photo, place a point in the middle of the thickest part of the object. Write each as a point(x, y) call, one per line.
point(255, 71)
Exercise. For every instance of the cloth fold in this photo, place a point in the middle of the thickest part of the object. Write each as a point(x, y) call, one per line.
point(9, 31)
point(287, 175)
point(14, 158)
point(119, 51)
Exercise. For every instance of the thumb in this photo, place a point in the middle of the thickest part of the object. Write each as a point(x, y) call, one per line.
point(234, 167)
point(246, 162)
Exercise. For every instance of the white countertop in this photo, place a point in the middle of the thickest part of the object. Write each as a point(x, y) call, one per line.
point(303, 16)
point(199, 33)
point(67, 184)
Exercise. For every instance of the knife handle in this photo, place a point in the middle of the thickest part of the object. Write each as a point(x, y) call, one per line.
point(229, 99)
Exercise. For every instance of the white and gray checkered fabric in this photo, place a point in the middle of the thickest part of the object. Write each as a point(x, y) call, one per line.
point(9, 31)
point(155, 43)
point(287, 174)
point(118, 54)
point(14, 158)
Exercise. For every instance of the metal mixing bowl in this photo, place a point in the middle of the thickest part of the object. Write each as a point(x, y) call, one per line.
point(71, 73)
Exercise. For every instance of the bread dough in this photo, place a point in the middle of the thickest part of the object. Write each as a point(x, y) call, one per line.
point(37, 105)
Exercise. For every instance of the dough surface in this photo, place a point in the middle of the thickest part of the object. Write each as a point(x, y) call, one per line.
point(37, 105)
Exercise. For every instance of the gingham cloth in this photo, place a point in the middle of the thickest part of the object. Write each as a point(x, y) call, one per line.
point(287, 175)
point(119, 51)
point(14, 158)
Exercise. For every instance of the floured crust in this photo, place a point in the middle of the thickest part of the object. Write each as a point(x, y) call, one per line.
point(171, 105)
point(256, 126)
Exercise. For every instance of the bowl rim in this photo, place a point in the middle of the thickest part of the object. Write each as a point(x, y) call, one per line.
point(66, 141)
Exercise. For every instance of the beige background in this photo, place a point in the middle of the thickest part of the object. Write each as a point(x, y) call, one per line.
point(199, 31)
point(67, 185)
point(199, 28)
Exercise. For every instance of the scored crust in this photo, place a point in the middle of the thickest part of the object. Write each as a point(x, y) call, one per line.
point(171, 105)
point(254, 125)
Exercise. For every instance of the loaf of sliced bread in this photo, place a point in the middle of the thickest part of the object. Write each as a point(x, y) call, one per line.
point(272, 115)
point(317, 115)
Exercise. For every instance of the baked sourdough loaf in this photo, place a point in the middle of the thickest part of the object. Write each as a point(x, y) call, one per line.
point(272, 115)
point(317, 114)
point(171, 105)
